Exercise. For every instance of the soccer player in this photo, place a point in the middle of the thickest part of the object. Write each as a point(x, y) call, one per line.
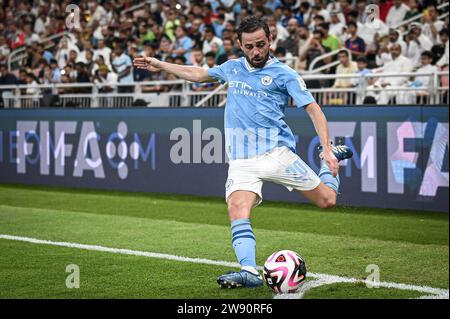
point(259, 144)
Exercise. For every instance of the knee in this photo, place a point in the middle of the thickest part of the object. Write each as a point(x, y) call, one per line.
point(238, 209)
point(327, 202)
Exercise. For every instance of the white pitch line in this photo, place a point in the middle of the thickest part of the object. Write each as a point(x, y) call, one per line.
point(321, 278)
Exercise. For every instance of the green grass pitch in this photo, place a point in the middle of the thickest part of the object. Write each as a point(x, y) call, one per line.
point(409, 247)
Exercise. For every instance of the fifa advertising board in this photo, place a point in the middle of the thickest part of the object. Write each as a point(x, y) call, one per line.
point(401, 154)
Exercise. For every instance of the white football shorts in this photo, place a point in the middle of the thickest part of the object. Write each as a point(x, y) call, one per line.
point(280, 165)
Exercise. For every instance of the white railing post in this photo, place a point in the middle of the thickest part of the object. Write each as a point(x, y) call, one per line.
point(184, 96)
point(17, 97)
point(361, 89)
point(94, 97)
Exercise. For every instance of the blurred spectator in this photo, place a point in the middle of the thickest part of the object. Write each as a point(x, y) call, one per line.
point(197, 57)
point(336, 26)
point(440, 52)
point(282, 33)
point(275, 38)
point(330, 41)
point(384, 6)
point(314, 49)
point(361, 64)
point(31, 90)
point(104, 51)
point(6, 78)
point(425, 44)
point(291, 44)
point(30, 36)
point(183, 43)
point(413, 9)
point(208, 39)
point(4, 49)
point(16, 37)
point(63, 52)
point(305, 38)
point(83, 75)
point(170, 24)
point(398, 64)
point(218, 25)
point(346, 66)
point(54, 75)
point(422, 82)
point(431, 24)
point(46, 54)
point(413, 49)
point(396, 13)
point(384, 54)
point(104, 76)
point(122, 65)
point(372, 31)
point(194, 32)
point(287, 57)
point(22, 79)
point(228, 51)
point(355, 44)
point(395, 38)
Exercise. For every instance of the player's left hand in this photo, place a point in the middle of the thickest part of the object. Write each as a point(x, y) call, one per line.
point(331, 161)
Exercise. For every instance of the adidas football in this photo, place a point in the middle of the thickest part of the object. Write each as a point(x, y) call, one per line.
point(284, 271)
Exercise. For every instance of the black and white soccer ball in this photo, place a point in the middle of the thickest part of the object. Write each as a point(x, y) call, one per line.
point(284, 271)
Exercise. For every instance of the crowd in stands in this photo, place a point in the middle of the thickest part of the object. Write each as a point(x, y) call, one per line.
point(203, 32)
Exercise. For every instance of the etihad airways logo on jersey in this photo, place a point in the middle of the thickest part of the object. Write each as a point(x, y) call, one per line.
point(242, 88)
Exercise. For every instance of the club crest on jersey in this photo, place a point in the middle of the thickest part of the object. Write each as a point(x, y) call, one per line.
point(267, 80)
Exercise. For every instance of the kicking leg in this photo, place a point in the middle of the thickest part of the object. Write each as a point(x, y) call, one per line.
point(324, 195)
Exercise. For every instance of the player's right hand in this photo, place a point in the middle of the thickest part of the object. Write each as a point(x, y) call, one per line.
point(147, 63)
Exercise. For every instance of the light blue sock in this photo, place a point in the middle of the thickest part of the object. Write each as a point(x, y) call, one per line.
point(326, 176)
point(244, 242)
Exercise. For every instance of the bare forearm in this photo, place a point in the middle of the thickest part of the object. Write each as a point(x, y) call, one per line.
point(186, 72)
point(320, 124)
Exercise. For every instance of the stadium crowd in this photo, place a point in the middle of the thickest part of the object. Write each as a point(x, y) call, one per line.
point(203, 32)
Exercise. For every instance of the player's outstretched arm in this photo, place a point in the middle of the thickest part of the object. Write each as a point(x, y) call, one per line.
point(321, 125)
point(186, 72)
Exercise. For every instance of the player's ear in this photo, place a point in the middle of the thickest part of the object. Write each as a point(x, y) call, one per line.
point(240, 45)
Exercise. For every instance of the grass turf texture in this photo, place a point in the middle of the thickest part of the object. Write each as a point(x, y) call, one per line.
point(409, 247)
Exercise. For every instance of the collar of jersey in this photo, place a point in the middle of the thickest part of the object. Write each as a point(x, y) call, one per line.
point(249, 68)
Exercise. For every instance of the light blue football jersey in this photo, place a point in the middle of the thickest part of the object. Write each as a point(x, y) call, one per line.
point(254, 114)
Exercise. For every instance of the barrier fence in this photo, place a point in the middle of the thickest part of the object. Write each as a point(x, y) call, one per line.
point(361, 89)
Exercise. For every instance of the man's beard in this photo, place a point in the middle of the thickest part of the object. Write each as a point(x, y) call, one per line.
point(258, 63)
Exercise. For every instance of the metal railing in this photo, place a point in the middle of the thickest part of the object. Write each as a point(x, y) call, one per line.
point(419, 16)
point(18, 56)
point(312, 70)
point(138, 6)
point(180, 93)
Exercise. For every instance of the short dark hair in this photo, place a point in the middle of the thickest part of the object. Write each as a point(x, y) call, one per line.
point(353, 14)
point(280, 50)
point(427, 54)
point(343, 51)
point(251, 24)
point(181, 57)
point(210, 29)
point(210, 54)
point(351, 23)
point(362, 59)
point(325, 26)
point(317, 31)
point(444, 31)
